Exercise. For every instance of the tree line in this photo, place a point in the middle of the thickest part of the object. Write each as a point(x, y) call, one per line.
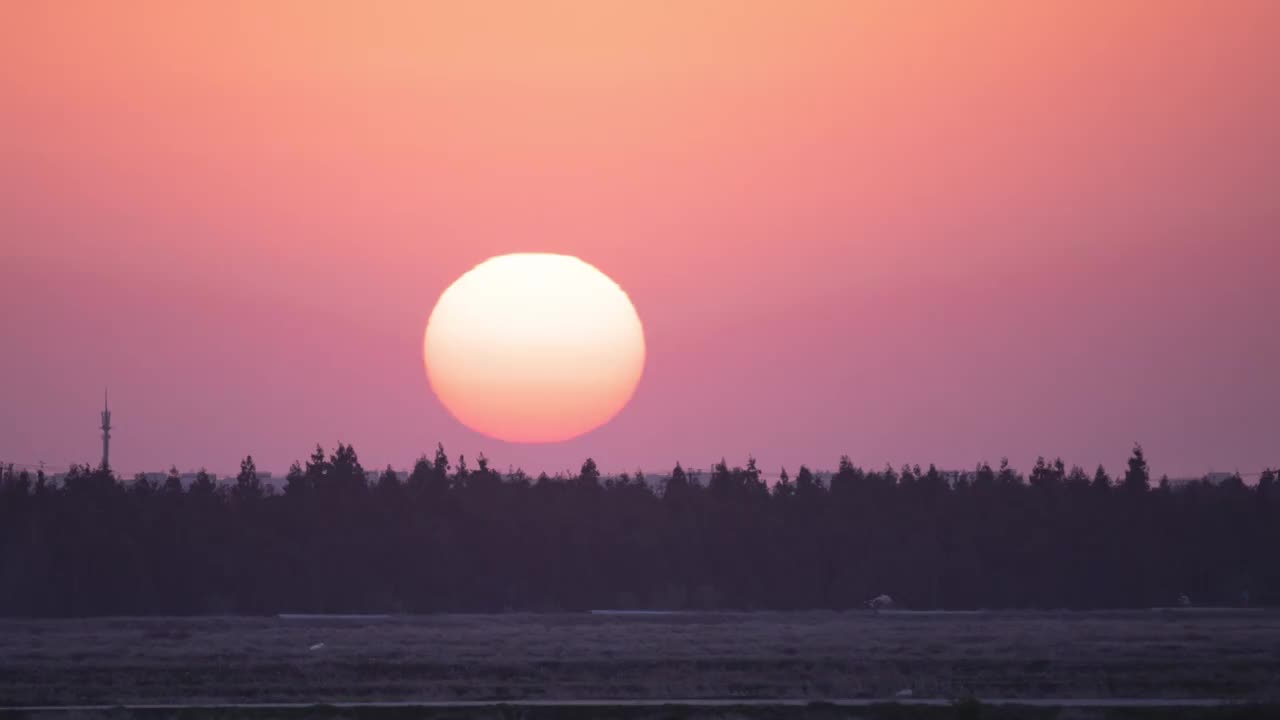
point(456, 538)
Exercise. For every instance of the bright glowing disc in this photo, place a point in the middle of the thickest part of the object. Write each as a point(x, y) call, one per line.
point(534, 347)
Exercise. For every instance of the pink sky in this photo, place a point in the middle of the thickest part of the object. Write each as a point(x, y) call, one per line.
point(902, 232)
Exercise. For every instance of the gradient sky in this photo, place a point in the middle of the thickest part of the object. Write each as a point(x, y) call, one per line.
point(910, 232)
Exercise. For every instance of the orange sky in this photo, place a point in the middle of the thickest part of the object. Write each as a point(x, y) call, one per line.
point(909, 232)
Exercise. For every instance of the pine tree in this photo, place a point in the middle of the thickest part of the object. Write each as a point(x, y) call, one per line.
point(441, 466)
point(806, 484)
point(1101, 480)
point(141, 486)
point(173, 481)
point(248, 486)
point(677, 485)
point(388, 480)
point(589, 475)
point(204, 485)
point(295, 482)
point(846, 478)
point(1137, 476)
point(784, 488)
point(1267, 485)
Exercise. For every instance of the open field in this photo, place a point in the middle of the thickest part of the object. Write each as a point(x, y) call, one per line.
point(1233, 655)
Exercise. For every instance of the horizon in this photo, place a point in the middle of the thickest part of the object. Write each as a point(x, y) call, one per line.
point(769, 476)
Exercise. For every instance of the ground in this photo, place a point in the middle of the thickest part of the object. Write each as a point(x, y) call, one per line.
point(816, 656)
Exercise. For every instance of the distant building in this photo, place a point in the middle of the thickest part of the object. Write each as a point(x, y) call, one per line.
point(1213, 478)
point(954, 477)
point(190, 477)
point(187, 478)
point(373, 476)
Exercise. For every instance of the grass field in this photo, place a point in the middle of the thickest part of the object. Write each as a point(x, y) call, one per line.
point(759, 655)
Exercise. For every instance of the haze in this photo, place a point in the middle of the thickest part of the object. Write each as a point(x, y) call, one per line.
point(939, 233)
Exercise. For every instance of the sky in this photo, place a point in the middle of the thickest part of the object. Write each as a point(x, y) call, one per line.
point(906, 232)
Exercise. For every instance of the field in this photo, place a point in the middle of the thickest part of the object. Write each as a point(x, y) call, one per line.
point(1166, 654)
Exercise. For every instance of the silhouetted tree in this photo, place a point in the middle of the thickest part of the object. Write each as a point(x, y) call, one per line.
point(141, 485)
point(481, 541)
point(1101, 480)
point(248, 487)
point(1267, 486)
point(460, 473)
point(807, 485)
point(421, 478)
point(389, 481)
point(984, 478)
point(203, 485)
point(846, 478)
point(1045, 477)
point(1077, 480)
point(441, 463)
point(344, 474)
point(173, 482)
point(1137, 477)
point(677, 484)
point(296, 482)
point(316, 470)
point(783, 488)
point(589, 475)
point(1007, 476)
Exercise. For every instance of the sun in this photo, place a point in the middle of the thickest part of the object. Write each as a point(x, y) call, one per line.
point(534, 348)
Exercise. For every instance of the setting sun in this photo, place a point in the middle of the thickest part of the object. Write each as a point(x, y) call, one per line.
point(534, 347)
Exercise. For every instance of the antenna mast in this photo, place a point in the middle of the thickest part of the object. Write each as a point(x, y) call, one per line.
point(106, 431)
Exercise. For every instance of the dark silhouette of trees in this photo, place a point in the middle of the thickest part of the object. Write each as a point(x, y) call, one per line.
point(1267, 493)
point(173, 482)
point(389, 482)
point(248, 487)
point(588, 478)
point(456, 538)
point(1137, 478)
point(1101, 480)
point(676, 487)
point(203, 486)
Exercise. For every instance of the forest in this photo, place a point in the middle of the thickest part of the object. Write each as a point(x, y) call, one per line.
point(453, 538)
